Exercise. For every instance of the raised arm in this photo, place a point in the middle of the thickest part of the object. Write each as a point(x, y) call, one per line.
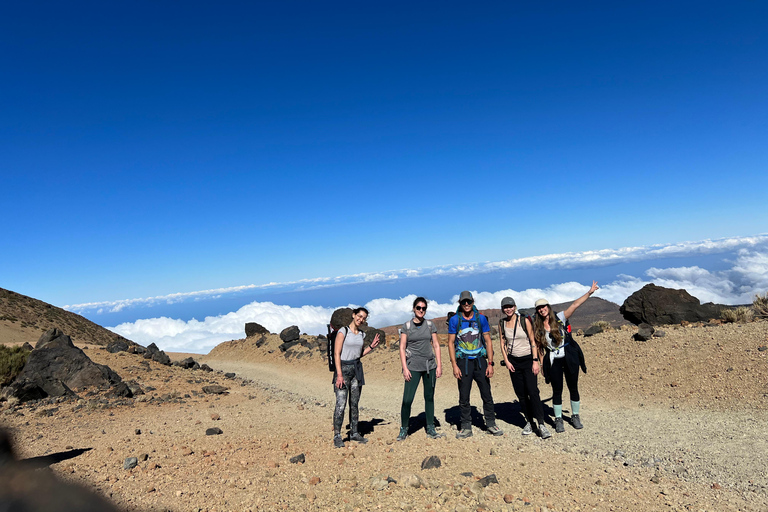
point(581, 300)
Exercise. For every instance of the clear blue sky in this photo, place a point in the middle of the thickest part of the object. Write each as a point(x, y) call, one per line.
point(149, 148)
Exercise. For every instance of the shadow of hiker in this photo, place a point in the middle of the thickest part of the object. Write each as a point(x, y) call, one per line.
point(53, 458)
point(510, 412)
point(419, 422)
point(367, 427)
point(453, 417)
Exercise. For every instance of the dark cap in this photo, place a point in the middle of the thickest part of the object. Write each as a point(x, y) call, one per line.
point(508, 301)
point(465, 295)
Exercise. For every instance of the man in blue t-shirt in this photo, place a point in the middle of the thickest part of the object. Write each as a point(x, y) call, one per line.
point(471, 351)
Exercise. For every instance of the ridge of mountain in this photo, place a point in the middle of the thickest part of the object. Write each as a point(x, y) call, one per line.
point(23, 318)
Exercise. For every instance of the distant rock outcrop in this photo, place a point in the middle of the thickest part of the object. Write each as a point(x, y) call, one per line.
point(55, 367)
point(289, 334)
point(157, 355)
point(254, 329)
point(342, 317)
point(656, 305)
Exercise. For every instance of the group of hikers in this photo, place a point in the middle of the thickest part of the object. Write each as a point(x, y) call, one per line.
point(544, 345)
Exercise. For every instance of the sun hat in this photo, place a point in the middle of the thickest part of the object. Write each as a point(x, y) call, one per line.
point(542, 302)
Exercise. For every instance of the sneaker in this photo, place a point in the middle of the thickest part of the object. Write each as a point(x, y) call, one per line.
point(496, 431)
point(355, 436)
point(337, 441)
point(403, 434)
point(527, 429)
point(559, 428)
point(544, 431)
point(432, 433)
point(576, 422)
point(464, 433)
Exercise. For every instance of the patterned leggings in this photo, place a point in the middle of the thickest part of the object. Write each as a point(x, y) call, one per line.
point(351, 389)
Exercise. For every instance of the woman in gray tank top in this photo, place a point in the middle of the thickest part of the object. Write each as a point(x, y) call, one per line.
point(348, 378)
point(420, 358)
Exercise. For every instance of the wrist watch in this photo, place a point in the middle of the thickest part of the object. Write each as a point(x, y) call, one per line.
point(492, 363)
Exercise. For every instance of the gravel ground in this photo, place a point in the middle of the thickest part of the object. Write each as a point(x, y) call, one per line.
point(676, 423)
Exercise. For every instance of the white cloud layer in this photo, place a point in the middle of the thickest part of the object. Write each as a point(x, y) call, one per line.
point(747, 276)
point(562, 261)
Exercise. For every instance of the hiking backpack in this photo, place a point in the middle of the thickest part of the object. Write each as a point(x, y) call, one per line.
point(332, 344)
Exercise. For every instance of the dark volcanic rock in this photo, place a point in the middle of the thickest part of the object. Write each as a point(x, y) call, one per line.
point(298, 459)
point(27, 346)
point(214, 431)
point(487, 480)
point(56, 367)
point(290, 334)
point(433, 461)
point(188, 363)
point(254, 329)
point(657, 305)
point(119, 345)
point(644, 332)
point(342, 317)
point(592, 330)
point(215, 390)
point(288, 344)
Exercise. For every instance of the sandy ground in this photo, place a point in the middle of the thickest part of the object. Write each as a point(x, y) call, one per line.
point(676, 423)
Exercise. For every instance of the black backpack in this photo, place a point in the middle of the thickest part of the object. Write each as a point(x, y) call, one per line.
point(331, 344)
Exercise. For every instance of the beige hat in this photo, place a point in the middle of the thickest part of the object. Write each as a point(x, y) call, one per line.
point(542, 302)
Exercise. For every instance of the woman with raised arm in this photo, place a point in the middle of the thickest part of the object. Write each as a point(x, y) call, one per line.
point(420, 358)
point(521, 357)
point(563, 356)
point(349, 378)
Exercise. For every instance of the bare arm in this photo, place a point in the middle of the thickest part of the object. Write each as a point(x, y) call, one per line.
point(403, 344)
point(452, 355)
point(503, 347)
point(534, 347)
point(489, 350)
point(438, 355)
point(338, 344)
point(581, 300)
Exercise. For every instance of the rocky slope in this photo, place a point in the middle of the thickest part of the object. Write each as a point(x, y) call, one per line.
point(675, 423)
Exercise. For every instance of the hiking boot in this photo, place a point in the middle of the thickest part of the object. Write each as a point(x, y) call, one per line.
point(576, 422)
point(337, 441)
point(527, 429)
point(559, 428)
point(544, 431)
point(355, 436)
point(464, 433)
point(403, 434)
point(432, 433)
point(496, 431)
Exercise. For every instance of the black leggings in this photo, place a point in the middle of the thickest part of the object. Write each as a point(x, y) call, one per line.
point(526, 388)
point(556, 372)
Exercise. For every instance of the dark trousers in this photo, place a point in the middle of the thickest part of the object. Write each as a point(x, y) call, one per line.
point(474, 370)
point(409, 392)
point(526, 388)
point(560, 368)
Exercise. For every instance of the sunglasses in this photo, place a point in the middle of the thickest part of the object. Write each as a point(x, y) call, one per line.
point(466, 301)
point(508, 307)
point(420, 308)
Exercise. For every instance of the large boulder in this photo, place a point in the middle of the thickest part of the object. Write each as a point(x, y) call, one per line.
point(342, 317)
point(157, 355)
point(289, 334)
point(254, 329)
point(656, 305)
point(55, 368)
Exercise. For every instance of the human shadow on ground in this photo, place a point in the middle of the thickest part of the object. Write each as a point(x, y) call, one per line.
point(453, 417)
point(367, 427)
point(53, 458)
point(419, 422)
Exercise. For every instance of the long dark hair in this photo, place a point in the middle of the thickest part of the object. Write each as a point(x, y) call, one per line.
point(554, 330)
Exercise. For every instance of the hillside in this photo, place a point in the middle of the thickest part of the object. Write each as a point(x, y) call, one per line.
point(24, 319)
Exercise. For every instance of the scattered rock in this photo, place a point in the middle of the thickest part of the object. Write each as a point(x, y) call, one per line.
point(298, 459)
point(130, 463)
point(215, 431)
point(254, 329)
point(433, 461)
point(290, 333)
point(490, 479)
point(215, 389)
point(644, 332)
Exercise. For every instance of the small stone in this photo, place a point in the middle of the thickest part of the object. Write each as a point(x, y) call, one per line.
point(185, 451)
point(143, 457)
point(716, 486)
point(298, 459)
point(215, 417)
point(138, 432)
point(509, 498)
point(314, 480)
point(215, 431)
point(433, 461)
point(487, 480)
point(762, 349)
point(130, 463)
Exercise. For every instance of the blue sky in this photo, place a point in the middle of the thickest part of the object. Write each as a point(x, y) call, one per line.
point(152, 148)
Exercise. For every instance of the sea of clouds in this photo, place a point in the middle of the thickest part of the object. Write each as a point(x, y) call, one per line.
point(746, 276)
